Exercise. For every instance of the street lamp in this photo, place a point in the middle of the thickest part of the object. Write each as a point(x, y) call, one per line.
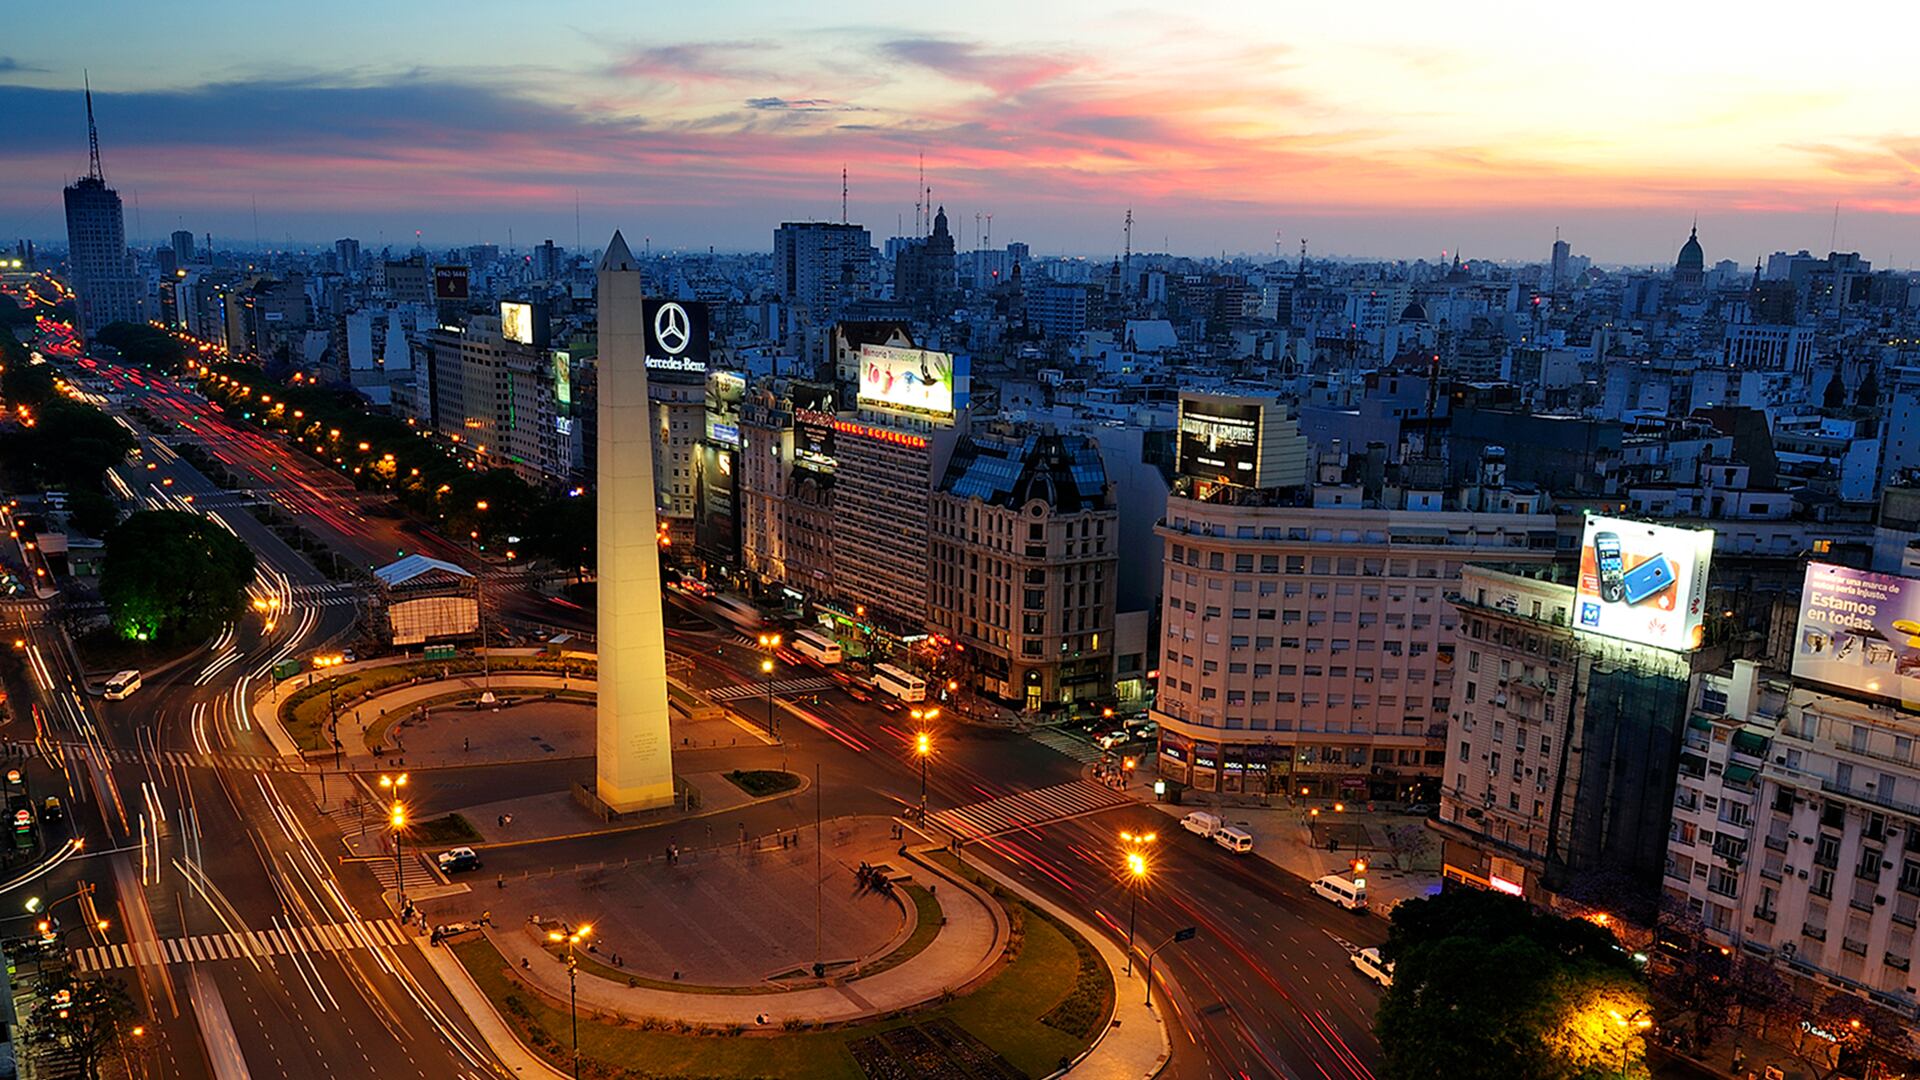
point(572, 936)
point(769, 642)
point(923, 748)
point(397, 820)
point(1136, 868)
point(1638, 1020)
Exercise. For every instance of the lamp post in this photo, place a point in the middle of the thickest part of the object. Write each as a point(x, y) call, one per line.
point(1638, 1020)
point(1136, 869)
point(572, 936)
point(769, 642)
point(397, 820)
point(923, 749)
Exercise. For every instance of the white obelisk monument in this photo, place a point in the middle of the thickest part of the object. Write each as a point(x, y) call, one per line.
point(634, 748)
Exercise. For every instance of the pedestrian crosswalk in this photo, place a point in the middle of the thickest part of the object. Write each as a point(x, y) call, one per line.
point(1074, 746)
point(781, 688)
point(121, 755)
point(419, 874)
point(1039, 806)
point(256, 944)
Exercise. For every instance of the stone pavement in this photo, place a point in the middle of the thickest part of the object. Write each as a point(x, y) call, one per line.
point(1294, 840)
point(972, 939)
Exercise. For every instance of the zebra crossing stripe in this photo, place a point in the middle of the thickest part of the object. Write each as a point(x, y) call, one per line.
point(1039, 806)
point(277, 941)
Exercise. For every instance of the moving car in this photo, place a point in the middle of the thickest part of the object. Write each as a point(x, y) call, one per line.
point(1234, 839)
point(53, 811)
point(458, 860)
point(1201, 823)
point(1370, 963)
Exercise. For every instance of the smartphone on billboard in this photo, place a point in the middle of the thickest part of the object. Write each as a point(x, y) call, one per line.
point(1606, 553)
point(1646, 579)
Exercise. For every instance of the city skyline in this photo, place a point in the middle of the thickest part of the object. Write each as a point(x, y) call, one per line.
point(1230, 130)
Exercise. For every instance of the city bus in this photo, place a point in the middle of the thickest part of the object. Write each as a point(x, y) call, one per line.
point(901, 684)
point(744, 616)
point(122, 685)
point(817, 647)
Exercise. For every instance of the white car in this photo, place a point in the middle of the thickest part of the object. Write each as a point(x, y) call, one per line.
point(1370, 964)
point(458, 860)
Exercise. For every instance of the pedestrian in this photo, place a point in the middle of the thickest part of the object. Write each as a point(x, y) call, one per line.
point(466, 744)
point(500, 820)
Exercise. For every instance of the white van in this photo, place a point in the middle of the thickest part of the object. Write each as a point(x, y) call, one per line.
point(1201, 823)
point(1373, 966)
point(1237, 840)
point(1351, 895)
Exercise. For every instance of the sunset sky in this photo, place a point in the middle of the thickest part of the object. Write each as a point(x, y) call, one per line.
point(1374, 129)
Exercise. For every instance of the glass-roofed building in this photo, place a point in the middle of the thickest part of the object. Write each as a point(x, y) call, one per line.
point(1022, 534)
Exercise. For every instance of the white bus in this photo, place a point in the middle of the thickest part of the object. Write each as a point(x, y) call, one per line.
point(122, 685)
point(901, 684)
point(744, 616)
point(817, 647)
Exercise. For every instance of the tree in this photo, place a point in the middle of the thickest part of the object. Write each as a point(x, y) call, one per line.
point(1852, 1035)
point(90, 512)
point(87, 1018)
point(24, 382)
point(1408, 843)
point(138, 343)
point(169, 574)
point(1483, 985)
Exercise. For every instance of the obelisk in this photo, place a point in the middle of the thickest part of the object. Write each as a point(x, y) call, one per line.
point(634, 748)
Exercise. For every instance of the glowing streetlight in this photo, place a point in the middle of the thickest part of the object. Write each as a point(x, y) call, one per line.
point(923, 749)
point(769, 642)
point(397, 821)
point(1136, 869)
point(572, 937)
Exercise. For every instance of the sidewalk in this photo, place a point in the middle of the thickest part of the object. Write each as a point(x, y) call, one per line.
point(972, 940)
point(480, 1012)
point(1286, 837)
point(1135, 1044)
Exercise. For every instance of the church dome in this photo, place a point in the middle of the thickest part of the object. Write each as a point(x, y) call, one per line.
point(1692, 259)
point(1414, 312)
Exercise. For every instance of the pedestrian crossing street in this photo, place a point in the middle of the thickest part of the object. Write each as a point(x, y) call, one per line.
point(781, 688)
point(257, 944)
point(419, 874)
point(1073, 746)
point(1039, 806)
point(29, 607)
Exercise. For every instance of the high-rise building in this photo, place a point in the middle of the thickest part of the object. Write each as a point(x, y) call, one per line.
point(494, 396)
point(820, 267)
point(1024, 536)
point(183, 247)
point(104, 281)
point(1562, 251)
point(347, 251)
point(546, 262)
point(923, 270)
point(1562, 746)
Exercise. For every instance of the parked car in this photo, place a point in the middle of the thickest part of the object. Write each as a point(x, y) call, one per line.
point(458, 860)
point(1201, 823)
point(53, 811)
point(1346, 892)
point(1419, 809)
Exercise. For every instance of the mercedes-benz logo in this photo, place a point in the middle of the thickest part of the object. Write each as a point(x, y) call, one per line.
point(672, 328)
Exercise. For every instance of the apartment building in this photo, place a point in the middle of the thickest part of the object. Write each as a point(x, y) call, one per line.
point(1562, 746)
point(1796, 833)
point(1023, 532)
point(1313, 648)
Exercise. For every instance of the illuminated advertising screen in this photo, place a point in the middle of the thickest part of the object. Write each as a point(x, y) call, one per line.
point(563, 381)
point(449, 283)
point(725, 391)
point(676, 333)
point(516, 322)
point(1220, 440)
point(813, 416)
point(1859, 632)
point(1643, 583)
point(716, 507)
point(909, 380)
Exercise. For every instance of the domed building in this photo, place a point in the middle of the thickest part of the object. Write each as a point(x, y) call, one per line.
point(1414, 312)
point(1690, 269)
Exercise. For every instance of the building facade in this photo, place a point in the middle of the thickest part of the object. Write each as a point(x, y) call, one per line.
point(1023, 534)
point(104, 284)
point(1313, 649)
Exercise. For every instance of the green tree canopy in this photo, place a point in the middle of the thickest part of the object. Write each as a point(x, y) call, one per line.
point(86, 1017)
point(24, 382)
point(138, 343)
point(69, 445)
point(1483, 985)
point(171, 575)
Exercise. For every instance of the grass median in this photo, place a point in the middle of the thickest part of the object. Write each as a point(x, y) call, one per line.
point(1002, 1021)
